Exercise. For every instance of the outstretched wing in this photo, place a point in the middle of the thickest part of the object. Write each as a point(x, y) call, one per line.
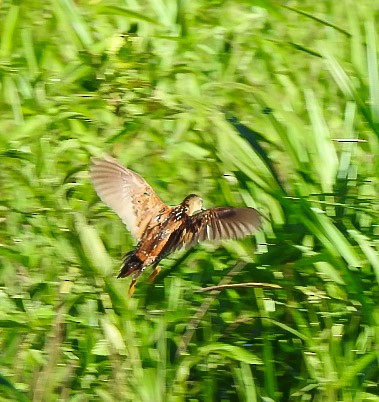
point(226, 223)
point(127, 193)
point(215, 224)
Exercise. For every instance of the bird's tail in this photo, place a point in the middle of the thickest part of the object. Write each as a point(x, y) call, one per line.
point(130, 264)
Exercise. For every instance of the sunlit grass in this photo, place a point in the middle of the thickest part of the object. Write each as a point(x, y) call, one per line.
point(244, 104)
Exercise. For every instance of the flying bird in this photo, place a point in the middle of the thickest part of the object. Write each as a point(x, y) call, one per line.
point(161, 229)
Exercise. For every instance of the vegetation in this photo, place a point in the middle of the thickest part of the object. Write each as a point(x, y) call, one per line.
point(262, 103)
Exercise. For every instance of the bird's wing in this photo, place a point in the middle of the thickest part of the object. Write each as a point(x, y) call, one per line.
point(127, 193)
point(217, 224)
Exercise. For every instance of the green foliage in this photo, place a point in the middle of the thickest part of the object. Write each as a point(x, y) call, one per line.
point(245, 103)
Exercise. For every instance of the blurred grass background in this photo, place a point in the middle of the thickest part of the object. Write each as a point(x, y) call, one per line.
point(242, 102)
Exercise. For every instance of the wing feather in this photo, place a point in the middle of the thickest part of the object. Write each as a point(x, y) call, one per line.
point(216, 224)
point(227, 223)
point(127, 193)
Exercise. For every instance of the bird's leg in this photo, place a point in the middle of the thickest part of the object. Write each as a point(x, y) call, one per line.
point(132, 287)
point(154, 274)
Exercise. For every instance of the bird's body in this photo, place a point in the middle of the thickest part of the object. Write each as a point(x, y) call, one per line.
point(161, 229)
point(155, 242)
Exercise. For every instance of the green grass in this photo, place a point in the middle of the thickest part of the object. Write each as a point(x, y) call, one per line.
point(243, 103)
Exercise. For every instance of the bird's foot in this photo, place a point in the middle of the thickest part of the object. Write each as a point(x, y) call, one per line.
point(132, 287)
point(154, 274)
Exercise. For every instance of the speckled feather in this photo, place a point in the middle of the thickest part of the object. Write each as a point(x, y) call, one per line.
point(160, 229)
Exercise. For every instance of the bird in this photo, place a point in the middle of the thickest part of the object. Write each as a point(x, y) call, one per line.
point(158, 228)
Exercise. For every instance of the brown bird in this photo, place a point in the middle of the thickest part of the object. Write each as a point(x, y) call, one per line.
point(159, 228)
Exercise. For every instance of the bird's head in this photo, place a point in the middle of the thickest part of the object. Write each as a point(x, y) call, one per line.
point(193, 203)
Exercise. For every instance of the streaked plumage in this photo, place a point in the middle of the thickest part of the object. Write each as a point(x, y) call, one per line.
point(159, 228)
